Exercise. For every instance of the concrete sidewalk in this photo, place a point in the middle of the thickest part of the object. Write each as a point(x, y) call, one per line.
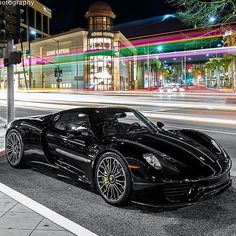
point(18, 220)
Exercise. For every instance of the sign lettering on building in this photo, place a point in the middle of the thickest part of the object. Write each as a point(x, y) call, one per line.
point(47, 10)
point(37, 6)
point(56, 52)
point(102, 34)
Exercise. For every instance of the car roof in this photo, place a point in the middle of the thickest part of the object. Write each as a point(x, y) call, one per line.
point(92, 109)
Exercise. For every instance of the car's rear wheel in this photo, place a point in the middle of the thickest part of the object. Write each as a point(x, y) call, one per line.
point(14, 149)
point(113, 179)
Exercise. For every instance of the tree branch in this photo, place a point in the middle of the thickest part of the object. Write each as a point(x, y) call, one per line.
point(197, 12)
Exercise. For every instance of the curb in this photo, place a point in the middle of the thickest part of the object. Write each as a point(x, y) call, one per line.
point(2, 152)
point(45, 212)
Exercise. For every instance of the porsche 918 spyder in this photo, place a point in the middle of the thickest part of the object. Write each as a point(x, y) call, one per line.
point(124, 154)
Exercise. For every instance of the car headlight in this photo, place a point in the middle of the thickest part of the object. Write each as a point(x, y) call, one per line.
point(152, 160)
point(218, 148)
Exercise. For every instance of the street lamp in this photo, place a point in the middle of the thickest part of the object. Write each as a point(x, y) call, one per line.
point(212, 19)
point(33, 32)
point(159, 48)
point(58, 66)
point(30, 32)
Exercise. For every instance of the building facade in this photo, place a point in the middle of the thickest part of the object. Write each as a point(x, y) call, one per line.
point(101, 58)
point(80, 58)
point(36, 21)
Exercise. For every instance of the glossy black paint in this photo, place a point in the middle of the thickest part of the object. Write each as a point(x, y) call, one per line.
point(193, 164)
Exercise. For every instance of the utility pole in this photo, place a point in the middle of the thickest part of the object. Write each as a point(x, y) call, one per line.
point(29, 47)
point(185, 71)
point(10, 83)
point(58, 71)
point(148, 67)
point(234, 74)
point(10, 19)
point(58, 67)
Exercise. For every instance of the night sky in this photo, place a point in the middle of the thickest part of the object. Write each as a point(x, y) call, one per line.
point(69, 14)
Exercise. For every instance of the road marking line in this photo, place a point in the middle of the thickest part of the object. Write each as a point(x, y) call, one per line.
point(188, 118)
point(46, 212)
point(233, 173)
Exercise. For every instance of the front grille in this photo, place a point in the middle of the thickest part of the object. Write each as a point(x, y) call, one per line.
point(177, 192)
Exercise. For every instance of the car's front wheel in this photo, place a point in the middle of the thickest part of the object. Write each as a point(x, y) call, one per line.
point(14, 149)
point(113, 179)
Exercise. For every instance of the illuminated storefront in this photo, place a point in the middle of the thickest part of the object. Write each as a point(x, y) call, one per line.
point(99, 58)
point(100, 39)
point(80, 59)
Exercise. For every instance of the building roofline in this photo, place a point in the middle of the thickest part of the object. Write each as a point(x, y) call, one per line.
point(75, 30)
point(180, 31)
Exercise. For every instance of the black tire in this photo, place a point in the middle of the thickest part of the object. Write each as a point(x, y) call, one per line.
point(112, 178)
point(14, 149)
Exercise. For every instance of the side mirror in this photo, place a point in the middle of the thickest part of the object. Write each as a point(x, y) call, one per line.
point(160, 124)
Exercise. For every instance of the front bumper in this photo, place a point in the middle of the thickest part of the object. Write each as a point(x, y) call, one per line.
point(179, 193)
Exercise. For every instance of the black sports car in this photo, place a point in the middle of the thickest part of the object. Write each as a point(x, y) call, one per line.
point(126, 155)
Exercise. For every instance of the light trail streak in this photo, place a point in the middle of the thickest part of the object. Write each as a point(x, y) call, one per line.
point(73, 59)
point(192, 53)
point(192, 119)
point(200, 129)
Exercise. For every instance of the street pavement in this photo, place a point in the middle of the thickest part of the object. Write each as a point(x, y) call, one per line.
point(215, 216)
point(76, 202)
point(19, 220)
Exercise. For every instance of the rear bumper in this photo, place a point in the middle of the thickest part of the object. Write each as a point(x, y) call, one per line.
point(177, 194)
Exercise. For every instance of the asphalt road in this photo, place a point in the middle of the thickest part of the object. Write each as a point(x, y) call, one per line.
point(81, 204)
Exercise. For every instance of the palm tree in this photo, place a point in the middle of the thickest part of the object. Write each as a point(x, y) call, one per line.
point(152, 68)
point(225, 61)
point(165, 73)
point(156, 65)
point(214, 65)
point(198, 70)
point(209, 69)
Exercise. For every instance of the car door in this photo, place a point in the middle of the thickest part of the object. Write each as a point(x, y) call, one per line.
point(69, 141)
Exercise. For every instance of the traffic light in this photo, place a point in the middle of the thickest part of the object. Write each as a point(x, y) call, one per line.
point(2, 23)
point(14, 58)
point(58, 72)
point(55, 72)
point(10, 20)
point(27, 52)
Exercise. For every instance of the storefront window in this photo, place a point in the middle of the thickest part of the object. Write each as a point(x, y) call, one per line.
point(99, 43)
point(91, 23)
point(108, 24)
point(100, 77)
point(100, 23)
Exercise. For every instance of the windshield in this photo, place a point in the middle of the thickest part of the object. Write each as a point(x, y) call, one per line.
point(121, 122)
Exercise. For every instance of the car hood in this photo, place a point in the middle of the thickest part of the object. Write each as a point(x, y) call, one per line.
point(180, 154)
